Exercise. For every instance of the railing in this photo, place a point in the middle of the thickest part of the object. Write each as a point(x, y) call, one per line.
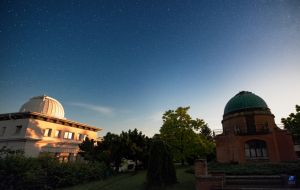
point(259, 131)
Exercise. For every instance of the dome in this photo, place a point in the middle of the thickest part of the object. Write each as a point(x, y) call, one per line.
point(45, 105)
point(245, 100)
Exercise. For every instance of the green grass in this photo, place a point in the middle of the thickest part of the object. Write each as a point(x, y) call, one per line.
point(136, 181)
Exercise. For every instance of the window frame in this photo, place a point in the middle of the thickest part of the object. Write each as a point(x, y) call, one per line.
point(3, 130)
point(256, 149)
point(47, 132)
point(18, 129)
point(67, 135)
point(58, 133)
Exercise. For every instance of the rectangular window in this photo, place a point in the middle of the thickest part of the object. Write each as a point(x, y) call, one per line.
point(81, 137)
point(18, 129)
point(47, 132)
point(3, 129)
point(69, 135)
point(66, 135)
point(58, 133)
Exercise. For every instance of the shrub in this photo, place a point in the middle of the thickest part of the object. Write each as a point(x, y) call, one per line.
point(161, 170)
point(18, 172)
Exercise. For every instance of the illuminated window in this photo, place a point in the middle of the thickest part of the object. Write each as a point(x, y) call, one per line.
point(47, 132)
point(58, 134)
point(3, 129)
point(256, 149)
point(69, 135)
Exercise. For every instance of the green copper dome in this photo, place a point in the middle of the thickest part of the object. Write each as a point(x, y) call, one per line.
point(244, 100)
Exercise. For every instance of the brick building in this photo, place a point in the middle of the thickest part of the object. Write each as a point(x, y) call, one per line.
point(250, 133)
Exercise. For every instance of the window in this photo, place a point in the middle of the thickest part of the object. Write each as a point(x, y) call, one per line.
point(256, 149)
point(69, 135)
point(18, 129)
point(3, 129)
point(58, 134)
point(47, 132)
point(81, 137)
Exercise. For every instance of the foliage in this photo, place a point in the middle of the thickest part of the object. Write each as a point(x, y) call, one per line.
point(88, 150)
point(189, 139)
point(20, 172)
point(137, 146)
point(161, 170)
point(292, 123)
point(129, 145)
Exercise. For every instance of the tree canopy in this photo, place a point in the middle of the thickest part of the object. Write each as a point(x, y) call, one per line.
point(292, 122)
point(129, 145)
point(187, 137)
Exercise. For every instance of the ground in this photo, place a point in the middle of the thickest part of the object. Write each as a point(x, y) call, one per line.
point(136, 181)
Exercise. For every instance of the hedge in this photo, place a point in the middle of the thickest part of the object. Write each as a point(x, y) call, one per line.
point(18, 172)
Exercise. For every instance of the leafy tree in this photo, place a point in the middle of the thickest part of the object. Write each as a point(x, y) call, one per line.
point(161, 170)
point(292, 122)
point(87, 149)
point(136, 145)
point(188, 138)
point(130, 145)
point(113, 148)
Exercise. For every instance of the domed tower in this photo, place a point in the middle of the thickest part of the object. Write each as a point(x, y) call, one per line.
point(250, 133)
point(247, 113)
point(44, 105)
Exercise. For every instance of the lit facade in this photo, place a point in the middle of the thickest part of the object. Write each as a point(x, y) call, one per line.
point(40, 127)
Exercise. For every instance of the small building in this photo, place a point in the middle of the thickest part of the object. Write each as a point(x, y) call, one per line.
point(250, 133)
point(40, 127)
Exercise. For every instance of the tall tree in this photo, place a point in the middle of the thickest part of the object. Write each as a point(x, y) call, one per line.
point(161, 170)
point(292, 123)
point(181, 132)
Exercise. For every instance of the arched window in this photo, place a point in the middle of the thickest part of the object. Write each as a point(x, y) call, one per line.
point(256, 149)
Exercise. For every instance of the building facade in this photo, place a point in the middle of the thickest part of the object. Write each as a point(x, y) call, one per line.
point(250, 133)
point(40, 127)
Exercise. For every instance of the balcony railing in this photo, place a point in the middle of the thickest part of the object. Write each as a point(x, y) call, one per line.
point(259, 131)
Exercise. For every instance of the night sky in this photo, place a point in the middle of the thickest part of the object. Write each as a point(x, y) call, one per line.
point(119, 65)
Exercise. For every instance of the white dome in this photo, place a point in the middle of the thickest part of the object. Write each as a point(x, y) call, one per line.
point(45, 105)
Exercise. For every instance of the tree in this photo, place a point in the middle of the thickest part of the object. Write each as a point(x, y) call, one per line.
point(88, 150)
point(292, 123)
point(161, 170)
point(137, 146)
point(113, 149)
point(130, 145)
point(188, 138)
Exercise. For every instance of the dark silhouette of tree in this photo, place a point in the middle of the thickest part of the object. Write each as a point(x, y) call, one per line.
point(161, 170)
point(113, 148)
point(137, 146)
point(292, 123)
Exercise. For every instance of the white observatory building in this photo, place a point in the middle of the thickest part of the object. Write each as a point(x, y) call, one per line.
point(40, 127)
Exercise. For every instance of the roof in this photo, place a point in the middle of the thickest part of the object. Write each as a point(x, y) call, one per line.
point(244, 100)
point(47, 118)
point(44, 105)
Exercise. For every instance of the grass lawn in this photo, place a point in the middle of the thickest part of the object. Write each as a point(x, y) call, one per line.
point(136, 181)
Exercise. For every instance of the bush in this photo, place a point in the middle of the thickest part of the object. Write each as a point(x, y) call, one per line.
point(18, 172)
point(161, 170)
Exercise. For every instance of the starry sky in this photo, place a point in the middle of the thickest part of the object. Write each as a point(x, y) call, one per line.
point(119, 65)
